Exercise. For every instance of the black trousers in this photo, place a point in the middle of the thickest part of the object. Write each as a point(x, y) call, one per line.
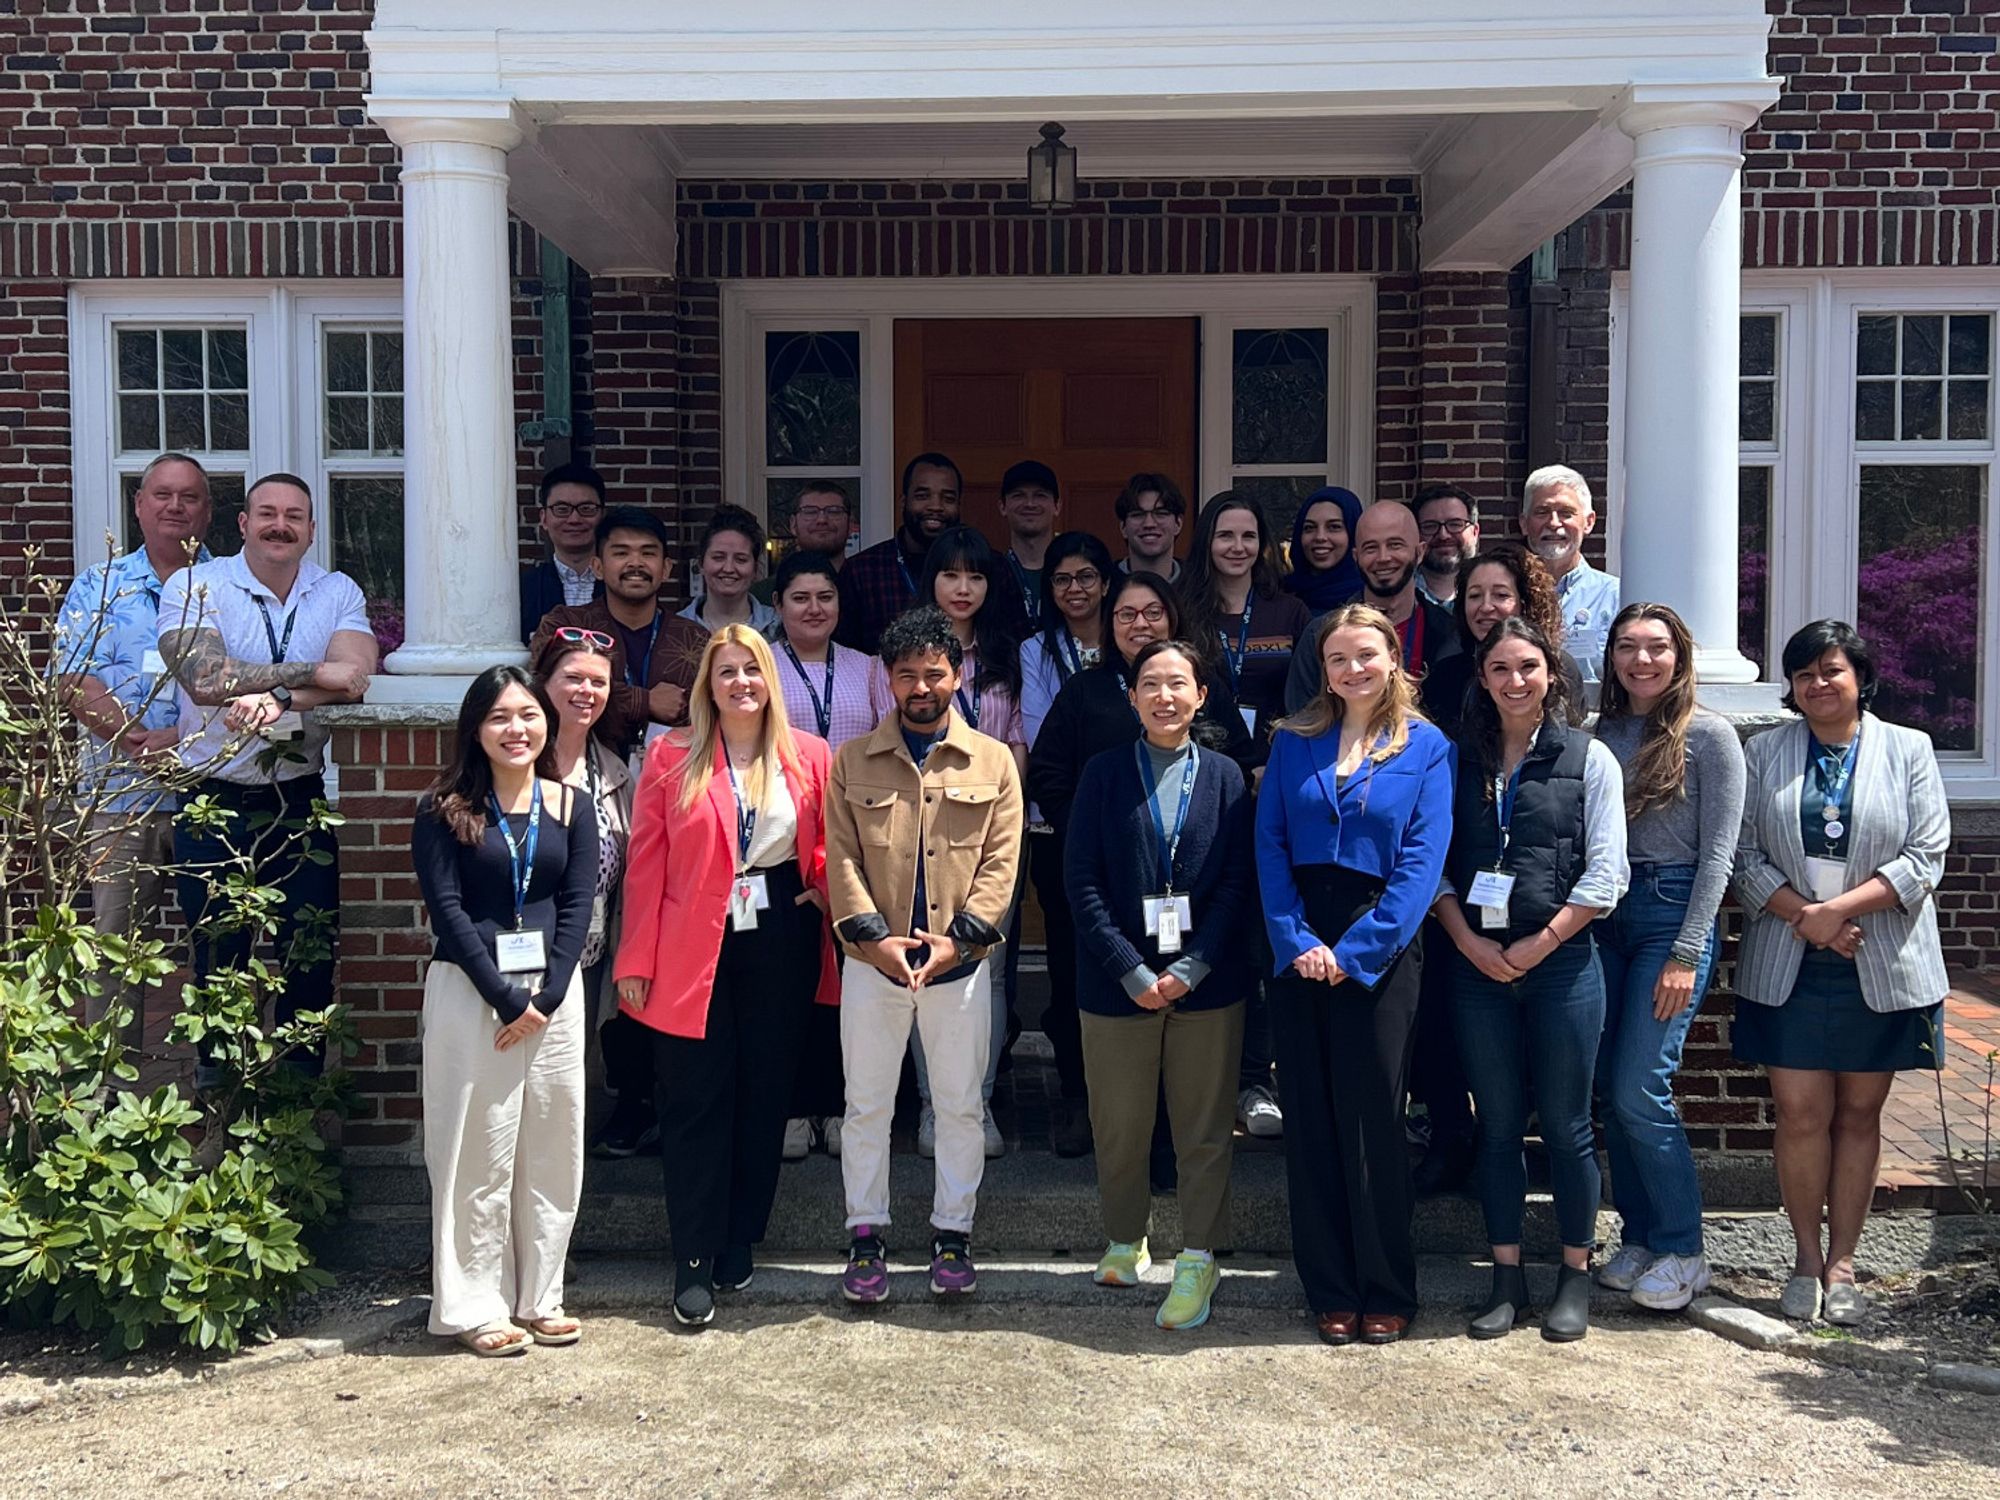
point(1437, 1068)
point(1059, 1022)
point(1344, 1052)
point(722, 1099)
point(820, 1089)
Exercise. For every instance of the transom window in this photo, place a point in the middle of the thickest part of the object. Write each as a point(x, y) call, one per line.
point(1923, 377)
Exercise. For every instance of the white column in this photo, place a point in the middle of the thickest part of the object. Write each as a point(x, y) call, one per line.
point(1678, 531)
point(460, 556)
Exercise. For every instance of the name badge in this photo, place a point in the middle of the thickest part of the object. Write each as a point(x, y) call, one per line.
point(1827, 877)
point(1249, 720)
point(748, 895)
point(153, 664)
point(1491, 892)
point(519, 952)
point(1167, 919)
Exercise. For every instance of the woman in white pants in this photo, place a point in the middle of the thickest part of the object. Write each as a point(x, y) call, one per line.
point(507, 858)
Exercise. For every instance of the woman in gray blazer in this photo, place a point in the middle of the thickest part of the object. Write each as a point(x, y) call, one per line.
point(1841, 974)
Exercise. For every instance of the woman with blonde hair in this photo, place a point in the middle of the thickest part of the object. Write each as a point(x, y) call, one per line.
point(725, 950)
point(1353, 822)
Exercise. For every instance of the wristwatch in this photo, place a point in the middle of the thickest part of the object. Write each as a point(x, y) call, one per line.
point(282, 696)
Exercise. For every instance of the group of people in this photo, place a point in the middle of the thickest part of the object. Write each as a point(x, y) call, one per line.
point(757, 850)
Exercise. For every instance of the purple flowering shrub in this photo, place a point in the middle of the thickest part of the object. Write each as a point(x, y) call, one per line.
point(1919, 610)
point(385, 618)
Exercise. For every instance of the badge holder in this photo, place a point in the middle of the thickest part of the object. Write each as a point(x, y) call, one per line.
point(1827, 877)
point(520, 955)
point(1168, 918)
point(748, 895)
point(1492, 892)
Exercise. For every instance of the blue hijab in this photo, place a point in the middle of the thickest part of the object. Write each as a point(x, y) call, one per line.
point(1324, 588)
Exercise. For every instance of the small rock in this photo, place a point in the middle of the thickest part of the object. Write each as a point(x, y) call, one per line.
point(1740, 1325)
point(1983, 1379)
point(1929, 1284)
point(346, 1396)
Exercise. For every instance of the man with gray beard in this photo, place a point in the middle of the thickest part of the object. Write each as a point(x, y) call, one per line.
point(1556, 515)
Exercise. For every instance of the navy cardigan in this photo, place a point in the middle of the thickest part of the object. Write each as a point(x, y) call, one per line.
point(1111, 863)
point(1391, 821)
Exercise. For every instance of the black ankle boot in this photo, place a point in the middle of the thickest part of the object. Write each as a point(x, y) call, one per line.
point(1506, 1306)
point(1568, 1317)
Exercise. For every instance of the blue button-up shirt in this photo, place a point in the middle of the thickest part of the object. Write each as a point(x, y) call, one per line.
point(108, 628)
point(1589, 600)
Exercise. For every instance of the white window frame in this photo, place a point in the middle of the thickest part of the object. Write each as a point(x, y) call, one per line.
point(286, 323)
point(1344, 305)
point(1816, 489)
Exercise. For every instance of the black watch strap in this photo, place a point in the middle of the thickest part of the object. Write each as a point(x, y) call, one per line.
point(282, 696)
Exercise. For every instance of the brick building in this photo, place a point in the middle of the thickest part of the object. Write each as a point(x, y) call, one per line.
point(416, 251)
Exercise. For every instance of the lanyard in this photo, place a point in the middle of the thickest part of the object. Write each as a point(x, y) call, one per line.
point(967, 697)
point(1834, 773)
point(1070, 652)
point(520, 861)
point(822, 712)
point(746, 818)
point(279, 644)
point(903, 563)
point(638, 679)
point(1235, 657)
point(1504, 789)
point(1031, 594)
point(1168, 846)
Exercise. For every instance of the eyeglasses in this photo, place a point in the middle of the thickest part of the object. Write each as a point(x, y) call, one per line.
point(576, 635)
point(1083, 578)
point(562, 510)
point(1456, 526)
point(1152, 512)
point(1152, 614)
point(820, 513)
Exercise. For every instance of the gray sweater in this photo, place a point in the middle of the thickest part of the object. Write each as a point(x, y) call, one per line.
point(1701, 828)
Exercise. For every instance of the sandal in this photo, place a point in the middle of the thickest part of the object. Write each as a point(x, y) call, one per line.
point(512, 1340)
point(556, 1328)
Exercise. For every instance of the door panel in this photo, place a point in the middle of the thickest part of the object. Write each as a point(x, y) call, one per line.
point(1096, 399)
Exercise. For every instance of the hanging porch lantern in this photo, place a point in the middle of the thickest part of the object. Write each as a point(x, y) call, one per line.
point(1052, 171)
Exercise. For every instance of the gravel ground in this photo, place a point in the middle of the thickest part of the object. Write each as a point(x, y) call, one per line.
point(1027, 1401)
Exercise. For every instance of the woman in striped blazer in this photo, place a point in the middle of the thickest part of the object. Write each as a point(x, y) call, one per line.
point(1841, 972)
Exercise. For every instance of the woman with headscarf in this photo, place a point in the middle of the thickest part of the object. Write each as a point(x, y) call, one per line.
point(1324, 573)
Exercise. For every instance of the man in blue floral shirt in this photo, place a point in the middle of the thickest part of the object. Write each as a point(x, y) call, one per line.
point(107, 655)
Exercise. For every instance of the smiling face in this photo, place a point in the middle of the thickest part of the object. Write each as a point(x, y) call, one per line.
point(1079, 589)
point(821, 522)
point(728, 566)
point(277, 524)
point(809, 609)
point(1643, 656)
point(569, 517)
point(1358, 662)
point(1323, 536)
point(1516, 675)
point(737, 684)
point(1448, 532)
point(632, 564)
point(922, 686)
point(1166, 696)
point(1138, 619)
point(1555, 524)
point(172, 508)
point(930, 504)
point(515, 729)
point(959, 593)
point(1150, 531)
point(1828, 691)
point(1491, 595)
point(1233, 545)
point(1030, 511)
point(1385, 549)
point(580, 687)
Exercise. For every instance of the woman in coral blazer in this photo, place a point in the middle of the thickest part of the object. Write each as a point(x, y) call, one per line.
point(725, 951)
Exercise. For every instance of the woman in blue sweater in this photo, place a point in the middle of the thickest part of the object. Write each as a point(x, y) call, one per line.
point(1158, 872)
point(1353, 822)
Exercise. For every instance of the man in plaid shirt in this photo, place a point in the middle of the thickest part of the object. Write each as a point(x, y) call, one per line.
point(880, 582)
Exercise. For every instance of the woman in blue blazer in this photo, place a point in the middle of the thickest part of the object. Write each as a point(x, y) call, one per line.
point(1158, 872)
point(1353, 821)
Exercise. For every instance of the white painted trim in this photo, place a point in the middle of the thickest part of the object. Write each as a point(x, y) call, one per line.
point(1345, 304)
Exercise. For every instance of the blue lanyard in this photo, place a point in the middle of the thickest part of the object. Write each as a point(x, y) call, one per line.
point(279, 644)
point(746, 817)
point(520, 862)
point(967, 697)
point(1504, 790)
point(903, 563)
point(1068, 650)
point(1168, 847)
point(822, 712)
point(638, 679)
point(1834, 774)
point(1235, 658)
point(1031, 594)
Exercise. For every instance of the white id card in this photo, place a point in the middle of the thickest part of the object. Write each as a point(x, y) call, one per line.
point(1491, 892)
point(153, 664)
point(1168, 918)
point(1249, 720)
point(1827, 877)
point(748, 895)
point(519, 952)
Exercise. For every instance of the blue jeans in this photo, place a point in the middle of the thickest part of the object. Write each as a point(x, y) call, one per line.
point(1653, 1183)
point(1545, 1028)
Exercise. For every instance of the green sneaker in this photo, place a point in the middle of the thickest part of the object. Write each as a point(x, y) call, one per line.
point(1123, 1264)
point(1194, 1289)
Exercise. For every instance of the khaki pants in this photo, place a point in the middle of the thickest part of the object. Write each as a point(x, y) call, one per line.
point(1125, 1061)
point(135, 852)
point(503, 1139)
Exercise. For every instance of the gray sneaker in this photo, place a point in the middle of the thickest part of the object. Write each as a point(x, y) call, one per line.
point(927, 1132)
point(996, 1145)
point(1672, 1282)
point(1622, 1272)
point(1258, 1113)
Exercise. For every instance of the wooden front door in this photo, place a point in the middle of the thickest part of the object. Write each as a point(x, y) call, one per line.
point(1096, 399)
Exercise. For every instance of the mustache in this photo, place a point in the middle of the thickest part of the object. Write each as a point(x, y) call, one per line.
point(278, 534)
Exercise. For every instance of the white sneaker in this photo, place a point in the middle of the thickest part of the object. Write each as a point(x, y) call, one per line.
point(1672, 1282)
point(1622, 1272)
point(1258, 1113)
point(927, 1132)
point(995, 1145)
point(798, 1139)
point(830, 1134)
point(1846, 1304)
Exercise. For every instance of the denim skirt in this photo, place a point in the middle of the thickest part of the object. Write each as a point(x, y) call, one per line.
point(1826, 1026)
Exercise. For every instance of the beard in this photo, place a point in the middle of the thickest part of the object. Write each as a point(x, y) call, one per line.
point(1442, 562)
point(1400, 582)
point(1555, 553)
point(924, 709)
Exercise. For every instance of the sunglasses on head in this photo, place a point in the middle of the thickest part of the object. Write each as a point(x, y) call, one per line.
point(576, 635)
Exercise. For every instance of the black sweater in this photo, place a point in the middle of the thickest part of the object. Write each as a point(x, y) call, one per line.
point(469, 891)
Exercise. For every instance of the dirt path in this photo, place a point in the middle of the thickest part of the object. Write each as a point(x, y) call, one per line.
point(1022, 1401)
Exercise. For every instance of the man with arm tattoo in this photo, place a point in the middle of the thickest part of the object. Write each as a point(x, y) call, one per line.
point(253, 641)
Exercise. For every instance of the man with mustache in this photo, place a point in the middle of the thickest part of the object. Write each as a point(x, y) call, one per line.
point(252, 641)
point(880, 582)
point(1387, 547)
point(1556, 515)
point(654, 652)
point(1448, 525)
point(923, 842)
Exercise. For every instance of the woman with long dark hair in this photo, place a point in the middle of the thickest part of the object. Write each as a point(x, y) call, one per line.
point(507, 860)
point(1502, 581)
point(1324, 574)
point(1537, 856)
point(1233, 603)
point(1684, 806)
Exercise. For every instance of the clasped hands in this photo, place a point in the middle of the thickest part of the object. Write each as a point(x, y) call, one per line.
point(1817, 923)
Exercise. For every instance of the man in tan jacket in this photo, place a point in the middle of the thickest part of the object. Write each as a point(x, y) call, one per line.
point(923, 841)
